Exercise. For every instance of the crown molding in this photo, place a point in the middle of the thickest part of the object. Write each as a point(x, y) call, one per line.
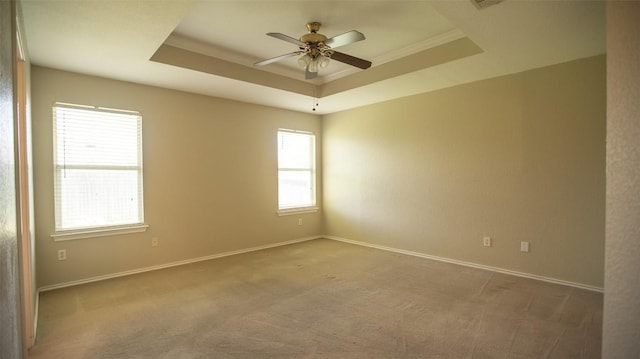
point(204, 48)
point(210, 50)
point(414, 48)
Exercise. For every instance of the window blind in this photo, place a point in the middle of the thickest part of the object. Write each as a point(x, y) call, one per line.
point(296, 170)
point(98, 167)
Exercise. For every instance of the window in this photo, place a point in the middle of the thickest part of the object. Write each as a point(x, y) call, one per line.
point(98, 168)
point(296, 171)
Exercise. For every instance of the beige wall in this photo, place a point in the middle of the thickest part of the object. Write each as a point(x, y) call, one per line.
point(210, 177)
point(621, 338)
point(517, 158)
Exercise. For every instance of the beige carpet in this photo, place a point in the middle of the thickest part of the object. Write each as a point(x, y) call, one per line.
point(319, 299)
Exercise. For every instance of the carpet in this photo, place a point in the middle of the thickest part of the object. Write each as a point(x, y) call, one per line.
point(319, 299)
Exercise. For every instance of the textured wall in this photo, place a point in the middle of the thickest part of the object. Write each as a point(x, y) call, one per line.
point(622, 284)
point(10, 322)
point(210, 177)
point(517, 158)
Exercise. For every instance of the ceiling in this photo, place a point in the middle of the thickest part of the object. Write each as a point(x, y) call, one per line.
point(209, 47)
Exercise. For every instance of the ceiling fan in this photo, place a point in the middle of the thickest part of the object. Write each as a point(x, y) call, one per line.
point(316, 50)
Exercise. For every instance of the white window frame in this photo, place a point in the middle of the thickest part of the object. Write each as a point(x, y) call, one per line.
point(306, 208)
point(89, 230)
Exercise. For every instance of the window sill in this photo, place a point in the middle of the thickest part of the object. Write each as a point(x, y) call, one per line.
point(98, 232)
point(293, 211)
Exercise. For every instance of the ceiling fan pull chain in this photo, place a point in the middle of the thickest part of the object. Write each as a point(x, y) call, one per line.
point(315, 99)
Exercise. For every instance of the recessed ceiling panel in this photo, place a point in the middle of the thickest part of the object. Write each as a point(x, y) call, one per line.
point(237, 30)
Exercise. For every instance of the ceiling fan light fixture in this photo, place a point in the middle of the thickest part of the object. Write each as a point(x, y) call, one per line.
point(304, 61)
point(313, 66)
point(323, 61)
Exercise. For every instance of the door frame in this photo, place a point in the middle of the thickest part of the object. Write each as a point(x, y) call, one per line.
point(24, 184)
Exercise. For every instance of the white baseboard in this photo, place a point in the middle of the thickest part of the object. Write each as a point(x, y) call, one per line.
point(172, 264)
point(340, 239)
point(470, 264)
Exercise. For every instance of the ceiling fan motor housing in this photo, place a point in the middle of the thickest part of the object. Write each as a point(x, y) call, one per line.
point(315, 41)
point(313, 37)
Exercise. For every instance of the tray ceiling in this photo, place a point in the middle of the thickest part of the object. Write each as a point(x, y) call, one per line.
point(209, 47)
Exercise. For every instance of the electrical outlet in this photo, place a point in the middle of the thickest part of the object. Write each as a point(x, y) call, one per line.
point(486, 241)
point(524, 246)
point(62, 254)
point(299, 221)
point(154, 242)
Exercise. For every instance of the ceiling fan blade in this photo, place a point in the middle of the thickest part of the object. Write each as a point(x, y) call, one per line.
point(275, 59)
point(286, 38)
point(308, 75)
point(344, 39)
point(351, 60)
